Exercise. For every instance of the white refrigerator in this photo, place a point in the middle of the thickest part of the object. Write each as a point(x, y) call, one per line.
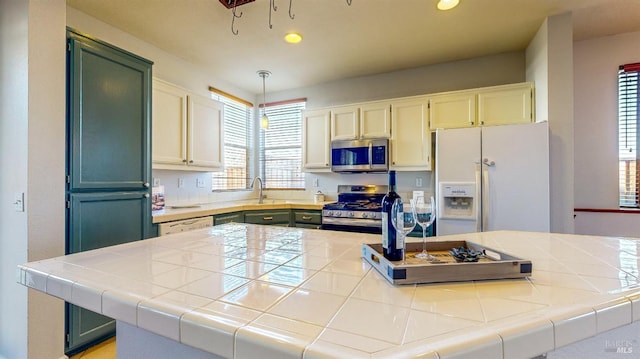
point(493, 178)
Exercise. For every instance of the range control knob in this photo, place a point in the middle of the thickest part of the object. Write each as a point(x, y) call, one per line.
point(350, 214)
point(365, 215)
point(329, 213)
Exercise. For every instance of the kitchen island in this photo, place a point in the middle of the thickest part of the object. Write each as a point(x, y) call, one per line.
point(249, 291)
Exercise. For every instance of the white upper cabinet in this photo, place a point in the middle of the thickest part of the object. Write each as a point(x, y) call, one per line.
point(410, 135)
point(510, 104)
point(375, 120)
point(169, 124)
point(453, 110)
point(488, 106)
point(187, 130)
point(205, 133)
point(345, 123)
point(316, 141)
point(369, 120)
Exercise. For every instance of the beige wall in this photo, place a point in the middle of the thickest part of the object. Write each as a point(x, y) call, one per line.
point(32, 125)
point(549, 65)
point(595, 69)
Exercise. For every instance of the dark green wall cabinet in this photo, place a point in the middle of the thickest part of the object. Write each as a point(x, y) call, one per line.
point(108, 161)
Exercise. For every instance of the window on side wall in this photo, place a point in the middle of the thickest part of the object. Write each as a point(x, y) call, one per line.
point(280, 150)
point(628, 106)
point(237, 139)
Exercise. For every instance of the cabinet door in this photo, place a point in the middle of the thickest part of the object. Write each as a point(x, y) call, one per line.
point(410, 135)
point(99, 220)
point(169, 124)
point(316, 144)
point(206, 144)
point(109, 117)
point(345, 123)
point(453, 110)
point(375, 120)
point(505, 105)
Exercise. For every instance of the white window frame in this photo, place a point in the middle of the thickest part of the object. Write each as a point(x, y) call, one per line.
point(628, 139)
point(280, 146)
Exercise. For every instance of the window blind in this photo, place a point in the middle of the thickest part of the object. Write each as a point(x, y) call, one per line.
point(281, 146)
point(628, 105)
point(237, 137)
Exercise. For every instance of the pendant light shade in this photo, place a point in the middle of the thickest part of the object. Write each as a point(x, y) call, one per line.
point(264, 120)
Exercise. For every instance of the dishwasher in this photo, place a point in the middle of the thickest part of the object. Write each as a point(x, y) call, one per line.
point(184, 225)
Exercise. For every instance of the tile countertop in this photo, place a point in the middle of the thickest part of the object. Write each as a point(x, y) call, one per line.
point(174, 213)
point(243, 291)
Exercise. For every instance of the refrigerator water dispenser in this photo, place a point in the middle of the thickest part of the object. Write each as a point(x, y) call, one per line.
point(457, 200)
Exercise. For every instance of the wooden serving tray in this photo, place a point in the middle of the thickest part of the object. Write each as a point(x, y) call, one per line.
point(493, 265)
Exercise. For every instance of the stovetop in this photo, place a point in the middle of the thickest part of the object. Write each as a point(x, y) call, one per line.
point(358, 198)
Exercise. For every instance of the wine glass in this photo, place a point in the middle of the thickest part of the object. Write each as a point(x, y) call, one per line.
point(402, 220)
point(425, 215)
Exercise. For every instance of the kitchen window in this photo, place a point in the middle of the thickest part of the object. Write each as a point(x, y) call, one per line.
point(237, 139)
point(280, 147)
point(628, 106)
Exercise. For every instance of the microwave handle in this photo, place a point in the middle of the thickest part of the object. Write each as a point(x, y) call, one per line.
point(370, 155)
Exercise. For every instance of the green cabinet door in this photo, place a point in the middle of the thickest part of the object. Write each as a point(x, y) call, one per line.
point(109, 117)
point(104, 219)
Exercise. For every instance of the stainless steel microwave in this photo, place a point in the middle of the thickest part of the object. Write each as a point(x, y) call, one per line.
point(360, 155)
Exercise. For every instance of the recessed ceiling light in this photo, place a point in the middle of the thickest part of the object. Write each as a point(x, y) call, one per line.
point(293, 37)
point(447, 4)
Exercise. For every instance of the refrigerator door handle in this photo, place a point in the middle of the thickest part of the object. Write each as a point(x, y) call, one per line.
point(485, 197)
point(478, 205)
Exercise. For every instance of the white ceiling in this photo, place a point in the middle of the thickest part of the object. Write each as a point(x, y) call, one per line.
point(342, 41)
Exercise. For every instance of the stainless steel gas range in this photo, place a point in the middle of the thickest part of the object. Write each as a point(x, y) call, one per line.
point(358, 209)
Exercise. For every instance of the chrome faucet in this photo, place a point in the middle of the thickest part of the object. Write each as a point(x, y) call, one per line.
point(257, 178)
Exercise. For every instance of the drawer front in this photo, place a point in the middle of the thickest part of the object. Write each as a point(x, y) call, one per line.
point(308, 225)
point(267, 217)
point(309, 217)
point(235, 217)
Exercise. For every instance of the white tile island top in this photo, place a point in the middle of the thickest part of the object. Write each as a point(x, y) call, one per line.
point(248, 291)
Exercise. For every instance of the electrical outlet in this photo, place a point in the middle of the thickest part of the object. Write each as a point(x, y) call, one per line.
point(200, 182)
point(315, 182)
point(418, 181)
point(180, 182)
point(156, 182)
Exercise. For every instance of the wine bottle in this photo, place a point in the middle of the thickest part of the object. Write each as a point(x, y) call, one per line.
point(392, 244)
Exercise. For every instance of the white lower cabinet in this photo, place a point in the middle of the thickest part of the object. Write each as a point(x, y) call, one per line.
point(187, 130)
point(410, 135)
point(184, 225)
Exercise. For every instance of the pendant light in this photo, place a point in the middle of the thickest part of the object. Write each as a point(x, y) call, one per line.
point(264, 120)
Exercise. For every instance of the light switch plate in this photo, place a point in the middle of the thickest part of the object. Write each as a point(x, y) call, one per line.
point(200, 182)
point(18, 201)
point(180, 182)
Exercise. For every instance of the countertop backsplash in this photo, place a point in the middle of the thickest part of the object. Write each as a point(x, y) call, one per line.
point(185, 187)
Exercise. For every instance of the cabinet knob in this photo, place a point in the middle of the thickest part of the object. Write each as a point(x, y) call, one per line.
point(146, 195)
point(184, 161)
point(146, 184)
point(191, 161)
point(267, 218)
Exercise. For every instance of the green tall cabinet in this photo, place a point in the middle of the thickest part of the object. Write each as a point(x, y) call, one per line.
point(108, 161)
